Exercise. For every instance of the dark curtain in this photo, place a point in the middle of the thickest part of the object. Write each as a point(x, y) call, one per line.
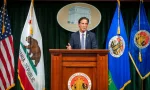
point(55, 37)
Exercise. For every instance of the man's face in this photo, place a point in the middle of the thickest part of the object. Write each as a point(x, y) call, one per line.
point(83, 25)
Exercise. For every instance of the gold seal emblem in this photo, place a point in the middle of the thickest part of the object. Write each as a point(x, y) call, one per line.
point(141, 39)
point(116, 46)
point(79, 81)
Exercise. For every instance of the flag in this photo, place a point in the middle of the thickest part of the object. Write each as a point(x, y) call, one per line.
point(6, 52)
point(139, 44)
point(31, 62)
point(118, 58)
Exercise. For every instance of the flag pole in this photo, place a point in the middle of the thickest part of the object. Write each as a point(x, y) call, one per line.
point(32, 2)
point(4, 2)
point(3, 27)
point(31, 14)
point(140, 56)
point(30, 22)
point(118, 31)
point(142, 84)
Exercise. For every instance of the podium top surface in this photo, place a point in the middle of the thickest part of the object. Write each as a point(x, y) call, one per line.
point(78, 51)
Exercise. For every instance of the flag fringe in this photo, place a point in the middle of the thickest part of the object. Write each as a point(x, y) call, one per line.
point(10, 86)
point(20, 81)
point(138, 69)
point(125, 84)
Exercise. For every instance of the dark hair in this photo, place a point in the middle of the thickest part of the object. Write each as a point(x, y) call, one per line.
point(82, 19)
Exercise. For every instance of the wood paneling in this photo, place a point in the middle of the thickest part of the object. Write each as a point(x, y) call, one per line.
point(65, 63)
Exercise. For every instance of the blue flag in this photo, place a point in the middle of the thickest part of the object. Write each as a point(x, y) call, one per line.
point(139, 44)
point(118, 58)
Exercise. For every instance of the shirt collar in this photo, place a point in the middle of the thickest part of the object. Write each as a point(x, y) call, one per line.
point(83, 33)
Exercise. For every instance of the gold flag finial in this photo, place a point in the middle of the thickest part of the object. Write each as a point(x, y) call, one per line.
point(141, 1)
point(32, 2)
point(118, 2)
point(4, 2)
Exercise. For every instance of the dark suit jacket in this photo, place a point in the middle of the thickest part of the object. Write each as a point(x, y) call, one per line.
point(90, 42)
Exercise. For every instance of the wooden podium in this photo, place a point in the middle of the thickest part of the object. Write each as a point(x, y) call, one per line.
point(92, 62)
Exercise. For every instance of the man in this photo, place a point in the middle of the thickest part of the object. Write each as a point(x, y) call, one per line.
point(82, 39)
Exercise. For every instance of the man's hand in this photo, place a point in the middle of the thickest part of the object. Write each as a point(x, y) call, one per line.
point(69, 46)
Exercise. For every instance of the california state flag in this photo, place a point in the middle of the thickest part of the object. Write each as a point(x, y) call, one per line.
point(31, 62)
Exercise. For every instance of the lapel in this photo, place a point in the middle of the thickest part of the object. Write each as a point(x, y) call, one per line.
point(78, 39)
point(87, 39)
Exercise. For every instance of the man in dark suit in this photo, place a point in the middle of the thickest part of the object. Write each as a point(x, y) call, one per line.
point(82, 39)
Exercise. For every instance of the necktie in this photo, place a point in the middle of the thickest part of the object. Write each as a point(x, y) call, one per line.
point(82, 42)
